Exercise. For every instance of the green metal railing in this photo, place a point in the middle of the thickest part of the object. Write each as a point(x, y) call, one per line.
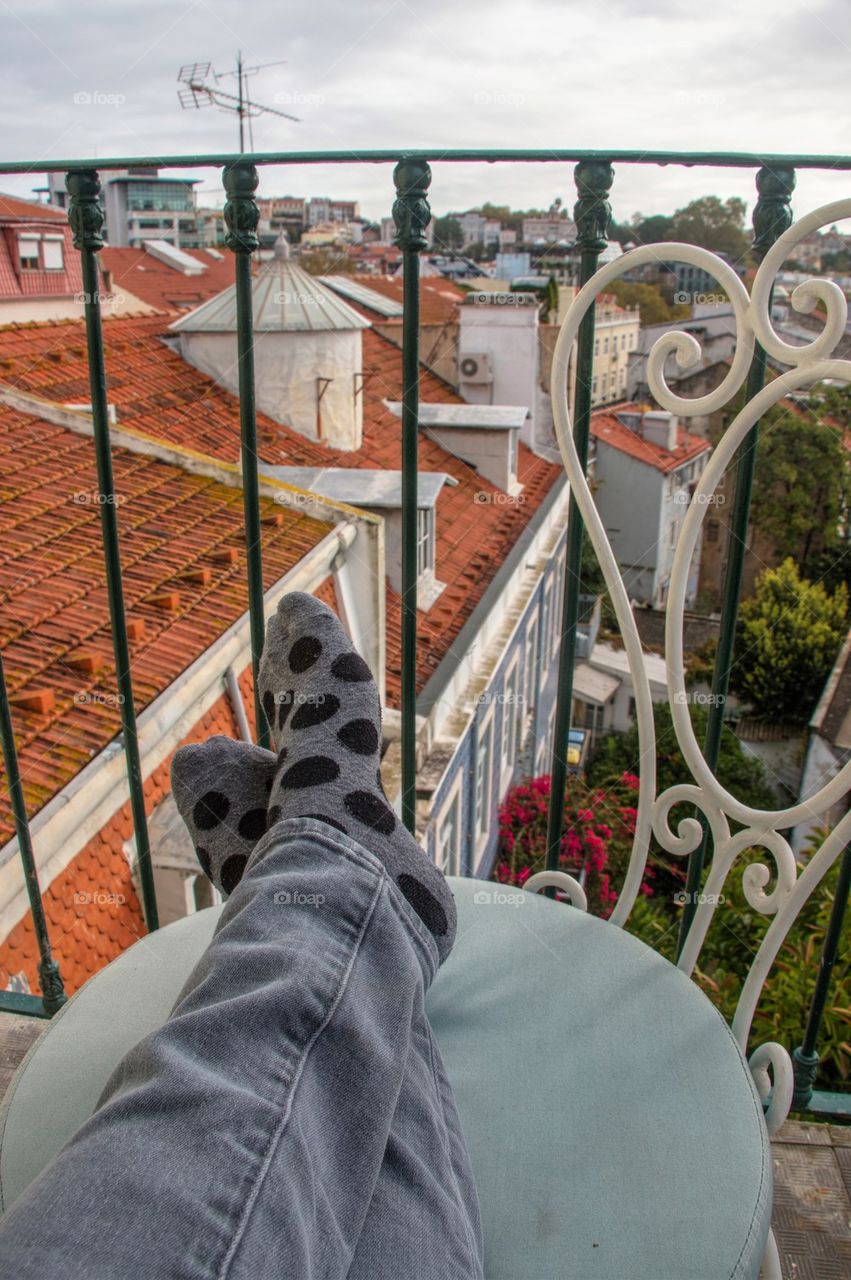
point(594, 176)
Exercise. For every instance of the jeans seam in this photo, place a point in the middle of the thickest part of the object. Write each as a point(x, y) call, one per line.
point(277, 1134)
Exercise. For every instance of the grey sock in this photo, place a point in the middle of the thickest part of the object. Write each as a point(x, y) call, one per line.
point(221, 788)
point(323, 709)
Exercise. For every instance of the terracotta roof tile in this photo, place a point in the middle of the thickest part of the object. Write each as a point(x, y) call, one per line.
point(162, 286)
point(606, 427)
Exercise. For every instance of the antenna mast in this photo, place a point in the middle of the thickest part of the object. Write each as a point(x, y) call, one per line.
point(201, 89)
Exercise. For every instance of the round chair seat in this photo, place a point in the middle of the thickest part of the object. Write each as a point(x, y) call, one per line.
point(612, 1122)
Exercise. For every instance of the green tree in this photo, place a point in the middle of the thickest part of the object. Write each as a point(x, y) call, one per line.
point(713, 224)
point(789, 635)
point(448, 233)
point(741, 774)
point(326, 260)
point(802, 494)
point(650, 302)
point(652, 229)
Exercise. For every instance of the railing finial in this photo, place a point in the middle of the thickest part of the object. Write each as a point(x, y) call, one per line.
point(241, 213)
point(772, 213)
point(592, 211)
point(85, 212)
point(411, 209)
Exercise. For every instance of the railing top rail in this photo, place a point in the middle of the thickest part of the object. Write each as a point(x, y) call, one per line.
point(435, 155)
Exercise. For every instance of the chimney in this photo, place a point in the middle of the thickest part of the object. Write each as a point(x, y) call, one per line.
point(498, 351)
point(660, 427)
point(308, 350)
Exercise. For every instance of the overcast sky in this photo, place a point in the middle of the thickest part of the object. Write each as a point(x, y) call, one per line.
point(748, 75)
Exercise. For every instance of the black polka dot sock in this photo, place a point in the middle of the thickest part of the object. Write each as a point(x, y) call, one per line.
point(323, 709)
point(221, 788)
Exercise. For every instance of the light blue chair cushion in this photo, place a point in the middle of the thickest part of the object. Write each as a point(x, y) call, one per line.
point(613, 1126)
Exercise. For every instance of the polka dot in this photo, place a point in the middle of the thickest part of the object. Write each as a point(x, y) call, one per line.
point(252, 824)
point(371, 811)
point(274, 815)
point(350, 666)
point(269, 707)
point(210, 810)
point(321, 817)
point(310, 772)
point(425, 904)
point(231, 873)
point(360, 736)
point(317, 709)
point(206, 865)
point(304, 653)
point(285, 706)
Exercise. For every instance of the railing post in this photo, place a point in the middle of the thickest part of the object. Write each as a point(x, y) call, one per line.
point(771, 216)
point(805, 1058)
point(86, 218)
point(411, 214)
point(241, 216)
point(52, 991)
point(591, 214)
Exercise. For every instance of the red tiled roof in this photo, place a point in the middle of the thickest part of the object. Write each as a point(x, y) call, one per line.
point(606, 428)
point(16, 284)
point(55, 622)
point(155, 391)
point(160, 285)
point(28, 210)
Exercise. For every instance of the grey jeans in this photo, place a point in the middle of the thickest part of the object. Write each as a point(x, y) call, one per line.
point(292, 1118)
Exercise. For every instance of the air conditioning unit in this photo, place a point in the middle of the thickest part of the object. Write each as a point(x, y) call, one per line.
point(475, 368)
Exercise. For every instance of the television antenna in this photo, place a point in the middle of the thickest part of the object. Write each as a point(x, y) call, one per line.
point(201, 89)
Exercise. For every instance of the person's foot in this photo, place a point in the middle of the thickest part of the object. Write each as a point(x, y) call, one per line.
point(323, 708)
point(221, 788)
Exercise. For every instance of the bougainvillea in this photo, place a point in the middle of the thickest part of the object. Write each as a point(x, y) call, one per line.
point(597, 836)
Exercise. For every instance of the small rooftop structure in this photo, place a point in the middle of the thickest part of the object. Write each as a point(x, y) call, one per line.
point(486, 417)
point(362, 486)
point(285, 299)
point(357, 292)
point(168, 253)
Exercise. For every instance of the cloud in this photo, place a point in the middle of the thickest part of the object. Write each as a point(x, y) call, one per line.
point(396, 74)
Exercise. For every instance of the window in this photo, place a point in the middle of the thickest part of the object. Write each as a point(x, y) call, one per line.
point(605, 382)
point(52, 253)
point(596, 346)
point(484, 768)
point(425, 557)
point(448, 851)
point(531, 673)
point(28, 252)
point(594, 388)
point(623, 342)
point(546, 621)
point(712, 531)
point(509, 716)
point(605, 346)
